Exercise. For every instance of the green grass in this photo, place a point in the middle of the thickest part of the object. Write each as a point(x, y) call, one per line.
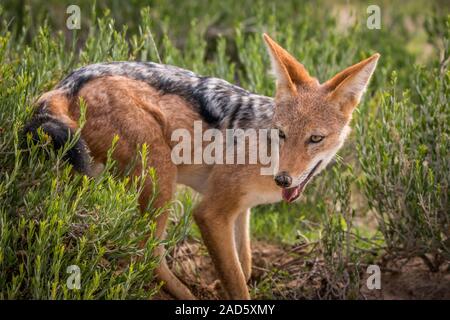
point(395, 166)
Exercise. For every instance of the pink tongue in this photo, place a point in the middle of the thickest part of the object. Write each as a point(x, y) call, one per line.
point(290, 193)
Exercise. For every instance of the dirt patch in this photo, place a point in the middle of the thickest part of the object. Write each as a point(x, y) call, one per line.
point(411, 280)
point(295, 272)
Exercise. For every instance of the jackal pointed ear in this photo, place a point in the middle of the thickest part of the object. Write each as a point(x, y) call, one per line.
point(348, 86)
point(288, 71)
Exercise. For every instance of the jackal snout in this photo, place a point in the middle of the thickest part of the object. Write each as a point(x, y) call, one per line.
point(283, 179)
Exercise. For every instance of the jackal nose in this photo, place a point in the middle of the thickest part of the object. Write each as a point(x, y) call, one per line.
point(283, 179)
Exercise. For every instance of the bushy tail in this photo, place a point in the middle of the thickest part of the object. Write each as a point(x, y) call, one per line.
point(60, 133)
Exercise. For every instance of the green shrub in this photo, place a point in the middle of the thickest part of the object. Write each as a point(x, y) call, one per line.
point(403, 152)
point(50, 218)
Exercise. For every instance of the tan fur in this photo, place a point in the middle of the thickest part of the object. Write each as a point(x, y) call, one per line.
point(140, 114)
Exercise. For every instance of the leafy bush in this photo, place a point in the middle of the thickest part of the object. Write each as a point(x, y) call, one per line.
point(50, 218)
point(403, 150)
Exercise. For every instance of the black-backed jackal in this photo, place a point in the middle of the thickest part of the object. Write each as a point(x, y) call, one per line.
point(144, 102)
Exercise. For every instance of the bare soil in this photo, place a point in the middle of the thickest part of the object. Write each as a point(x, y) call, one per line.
point(411, 280)
point(293, 272)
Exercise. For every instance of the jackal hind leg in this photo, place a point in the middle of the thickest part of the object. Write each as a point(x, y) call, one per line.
point(165, 170)
point(171, 283)
point(166, 176)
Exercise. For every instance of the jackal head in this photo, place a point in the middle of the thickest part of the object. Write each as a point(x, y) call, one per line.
point(312, 118)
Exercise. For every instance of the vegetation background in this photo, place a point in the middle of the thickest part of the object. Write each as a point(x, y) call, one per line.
point(383, 201)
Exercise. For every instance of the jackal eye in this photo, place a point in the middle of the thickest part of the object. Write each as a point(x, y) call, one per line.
point(281, 134)
point(315, 139)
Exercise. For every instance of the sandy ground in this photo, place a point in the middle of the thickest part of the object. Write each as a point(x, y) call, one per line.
point(281, 272)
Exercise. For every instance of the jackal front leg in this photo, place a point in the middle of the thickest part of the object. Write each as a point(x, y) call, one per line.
point(242, 240)
point(217, 228)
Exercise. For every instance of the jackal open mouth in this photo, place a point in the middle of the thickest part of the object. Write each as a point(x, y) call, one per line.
point(290, 194)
